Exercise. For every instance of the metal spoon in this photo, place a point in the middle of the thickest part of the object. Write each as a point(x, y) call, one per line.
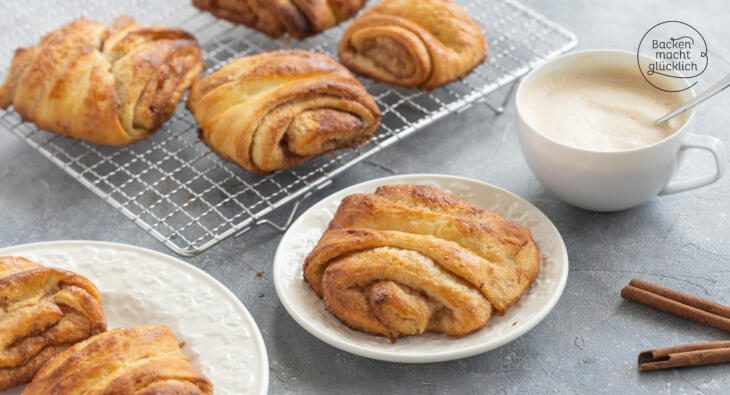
point(711, 91)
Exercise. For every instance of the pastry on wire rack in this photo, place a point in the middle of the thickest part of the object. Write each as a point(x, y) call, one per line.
point(43, 311)
point(298, 18)
point(410, 259)
point(107, 84)
point(278, 109)
point(143, 360)
point(417, 44)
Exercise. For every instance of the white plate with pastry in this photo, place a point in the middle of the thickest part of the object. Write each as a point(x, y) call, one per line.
point(420, 268)
point(158, 299)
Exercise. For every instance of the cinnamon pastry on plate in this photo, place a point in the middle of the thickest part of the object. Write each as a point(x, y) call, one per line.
point(43, 311)
point(299, 18)
point(144, 360)
point(410, 259)
point(417, 44)
point(110, 85)
point(278, 109)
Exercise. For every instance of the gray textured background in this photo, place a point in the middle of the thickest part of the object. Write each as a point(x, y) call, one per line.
point(588, 344)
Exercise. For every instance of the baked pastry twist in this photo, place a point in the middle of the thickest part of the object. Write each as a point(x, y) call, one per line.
point(424, 44)
point(109, 85)
point(277, 109)
point(43, 311)
point(410, 259)
point(143, 360)
point(299, 18)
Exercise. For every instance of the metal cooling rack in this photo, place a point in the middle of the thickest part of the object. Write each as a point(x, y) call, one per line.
point(173, 187)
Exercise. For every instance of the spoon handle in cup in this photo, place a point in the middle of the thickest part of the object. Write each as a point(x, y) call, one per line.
point(711, 91)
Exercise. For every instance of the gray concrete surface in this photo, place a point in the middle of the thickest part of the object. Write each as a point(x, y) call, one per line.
point(588, 344)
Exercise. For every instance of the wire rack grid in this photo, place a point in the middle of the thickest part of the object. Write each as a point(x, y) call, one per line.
point(173, 187)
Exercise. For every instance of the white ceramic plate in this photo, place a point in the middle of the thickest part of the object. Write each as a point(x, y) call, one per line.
point(309, 311)
point(140, 286)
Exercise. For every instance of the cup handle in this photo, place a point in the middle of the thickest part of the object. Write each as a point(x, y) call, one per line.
point(707, 143)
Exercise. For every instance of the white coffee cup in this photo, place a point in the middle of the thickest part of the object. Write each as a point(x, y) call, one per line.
point(614, 180)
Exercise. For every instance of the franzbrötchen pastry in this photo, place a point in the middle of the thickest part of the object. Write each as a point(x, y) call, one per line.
point(410, 259)
point(110, 85)
point(143, 360)
point(417, 44)
point(278, 109)
point(43, 311)
point(299, 18)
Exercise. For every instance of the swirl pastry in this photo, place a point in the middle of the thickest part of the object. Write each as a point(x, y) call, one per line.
point(277, 109)
point(43, 311)
point(110, 85)
point(423, 44)
point(299, 18)
point(144, 360)
point(410, 259)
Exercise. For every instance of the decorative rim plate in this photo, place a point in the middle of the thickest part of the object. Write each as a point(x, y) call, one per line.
point(309, 311)
point(141, 286)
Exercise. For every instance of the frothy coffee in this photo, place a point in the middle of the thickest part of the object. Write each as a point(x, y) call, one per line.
point(599, 108)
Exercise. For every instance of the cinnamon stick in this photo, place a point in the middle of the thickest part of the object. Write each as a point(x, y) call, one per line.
point(696, 354)
point(679, 304)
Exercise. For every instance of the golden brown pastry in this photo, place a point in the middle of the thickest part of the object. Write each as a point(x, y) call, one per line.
point(43, 311)
point(144, 360)
point(299, 18)
point(110, 85)
point(277, 109)
point(423, 44)
point(410, 259)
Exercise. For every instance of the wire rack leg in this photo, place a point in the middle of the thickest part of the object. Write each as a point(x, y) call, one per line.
point(279, 227)
point(499, 108)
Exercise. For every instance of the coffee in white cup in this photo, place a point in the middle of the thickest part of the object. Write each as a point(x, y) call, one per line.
point(608, 175)
point(601, 108)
